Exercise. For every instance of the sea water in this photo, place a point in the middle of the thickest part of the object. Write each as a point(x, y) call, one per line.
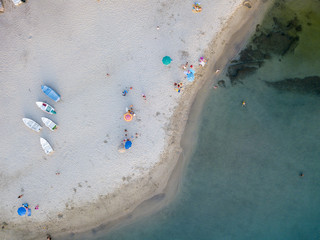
point(244, 180)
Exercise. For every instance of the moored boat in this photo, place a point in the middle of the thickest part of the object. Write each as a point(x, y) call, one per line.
point(17, 2)
point(46, 107)
point(1, 7)
point(50, 93)
point(50, 124)
point(31, 124)
point(46, 146)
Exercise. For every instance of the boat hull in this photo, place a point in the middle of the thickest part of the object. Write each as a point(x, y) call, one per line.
point(46, 107)
point(50, 93)
point(49, 124)
point(46, 146)
point(32, 124)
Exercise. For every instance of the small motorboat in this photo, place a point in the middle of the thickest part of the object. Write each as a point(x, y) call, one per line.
point(50, 93)
point(46, 107)
point(31, 124)
point(50, 124)
point(17, 2)
point(46, 146)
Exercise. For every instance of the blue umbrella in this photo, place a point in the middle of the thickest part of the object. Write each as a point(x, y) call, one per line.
point(22, 211)
point(190, 75)
point(128, 144)
point(166, 60)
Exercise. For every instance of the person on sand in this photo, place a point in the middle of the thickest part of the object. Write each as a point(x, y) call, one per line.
point(185, 66)
point(202, 61)
point(144, 96)
point(20, 196)
point(178, 86)
point(124, 93)
point(49, 237)
point(131, 110)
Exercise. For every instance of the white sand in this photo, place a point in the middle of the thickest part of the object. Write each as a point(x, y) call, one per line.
point(70, 46)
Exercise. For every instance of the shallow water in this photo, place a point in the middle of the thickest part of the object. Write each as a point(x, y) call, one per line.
point(243, 181)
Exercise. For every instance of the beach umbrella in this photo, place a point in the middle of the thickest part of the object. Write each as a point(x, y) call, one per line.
point(22, 211)
point(127, 117)
point(166, 60)
point(128, 144)
point(190, 75)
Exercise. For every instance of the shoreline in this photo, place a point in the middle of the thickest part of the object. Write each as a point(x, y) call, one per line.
point(186, 130)
point(172, 163)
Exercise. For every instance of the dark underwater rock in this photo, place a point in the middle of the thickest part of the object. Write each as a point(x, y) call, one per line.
point(242, 70)
point(307, 85)
point(249, 55)
point(275, 41)
point(221, 83)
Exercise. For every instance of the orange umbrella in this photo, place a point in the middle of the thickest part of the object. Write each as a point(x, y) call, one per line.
point(127, 117)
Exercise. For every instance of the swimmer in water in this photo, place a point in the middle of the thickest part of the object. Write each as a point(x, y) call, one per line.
point(243, 103)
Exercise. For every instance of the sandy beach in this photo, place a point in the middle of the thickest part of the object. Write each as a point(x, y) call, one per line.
point(90, 52)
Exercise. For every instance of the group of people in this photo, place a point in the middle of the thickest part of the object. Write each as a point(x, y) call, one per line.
point(128, 116)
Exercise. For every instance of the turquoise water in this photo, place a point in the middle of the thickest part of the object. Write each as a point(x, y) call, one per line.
point(243, 181)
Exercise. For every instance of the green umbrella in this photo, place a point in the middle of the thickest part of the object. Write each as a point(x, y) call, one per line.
point(166, 60)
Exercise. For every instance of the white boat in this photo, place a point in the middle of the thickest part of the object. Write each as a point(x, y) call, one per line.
point(1, 7)
point(17, 2)
point(46, 146)
point(50, 124)
point(31, 124)
point(46, 107)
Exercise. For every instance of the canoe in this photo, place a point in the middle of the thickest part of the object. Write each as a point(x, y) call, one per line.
point(50, 124)
point(32, 124)
point(46, 107)
point(50, 93)
point(46, 146)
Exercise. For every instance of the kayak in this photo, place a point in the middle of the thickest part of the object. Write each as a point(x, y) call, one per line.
point(46, 107)
point(50, 124)
point(46, 146)
point(50, 93)
point(32, 124)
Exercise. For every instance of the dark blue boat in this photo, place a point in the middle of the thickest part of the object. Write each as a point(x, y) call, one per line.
point(50, 93)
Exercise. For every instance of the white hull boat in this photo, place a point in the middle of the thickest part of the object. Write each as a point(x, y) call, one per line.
point(17, 2)
point(46, 107)
point(46, 146)
point(31, 124)
point(1, 7)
